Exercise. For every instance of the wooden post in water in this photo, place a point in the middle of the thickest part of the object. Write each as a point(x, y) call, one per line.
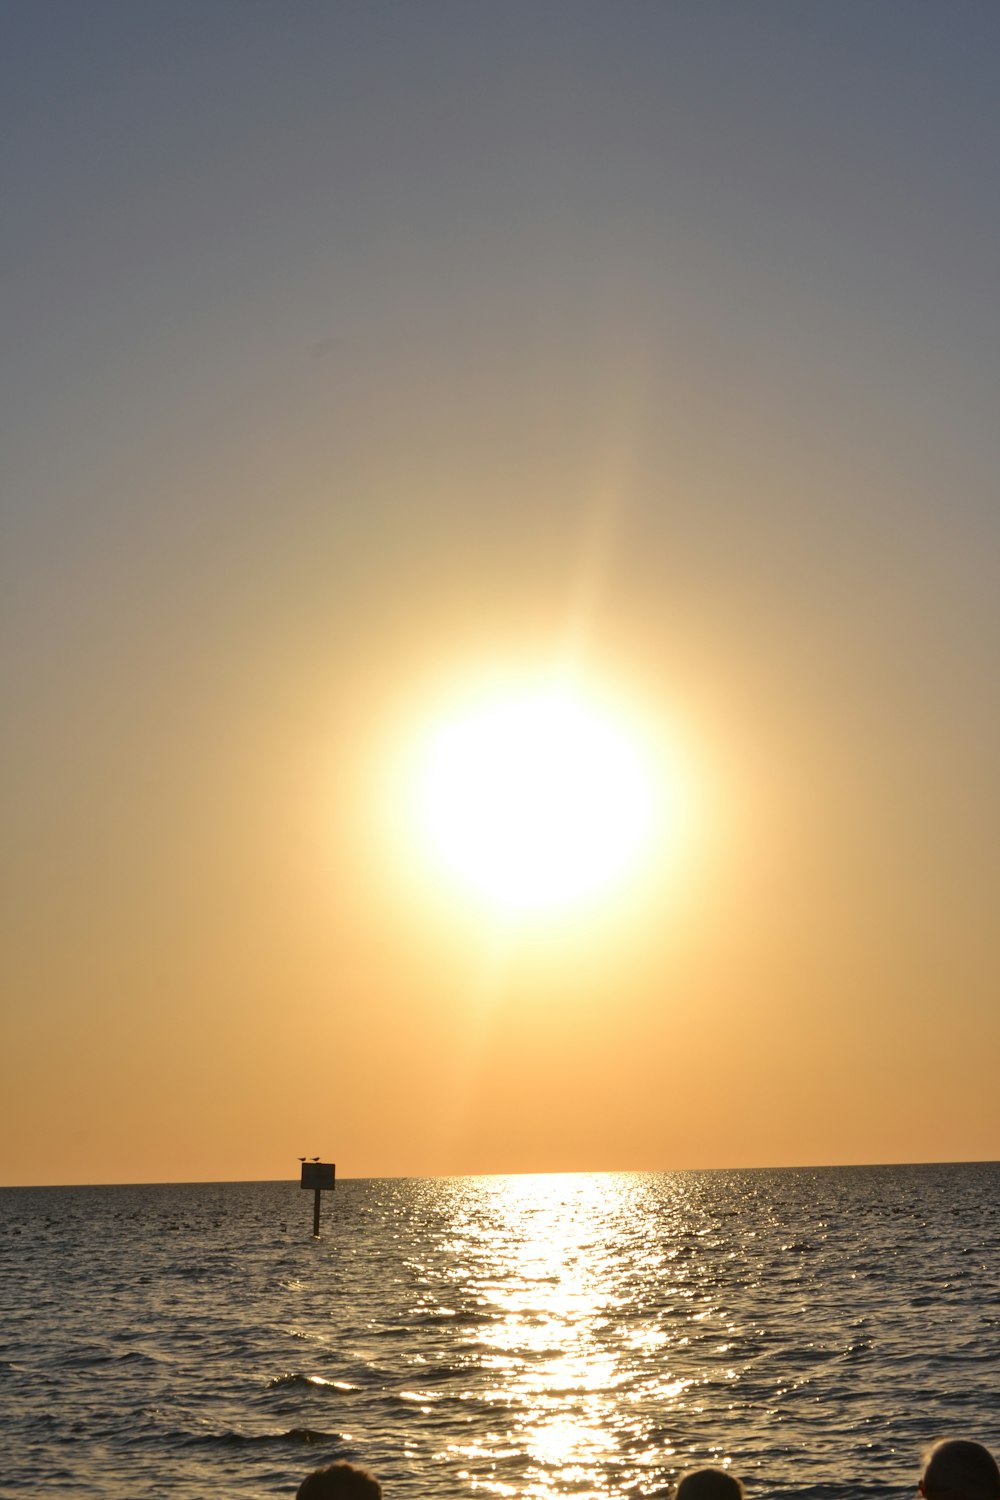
point(321, 1176)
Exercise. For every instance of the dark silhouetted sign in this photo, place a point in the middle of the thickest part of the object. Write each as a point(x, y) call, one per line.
point(319, 1174)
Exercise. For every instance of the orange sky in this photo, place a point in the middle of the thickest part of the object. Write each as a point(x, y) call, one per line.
point(336, 378)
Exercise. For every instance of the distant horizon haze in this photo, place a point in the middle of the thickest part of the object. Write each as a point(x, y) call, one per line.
point(293, 1181)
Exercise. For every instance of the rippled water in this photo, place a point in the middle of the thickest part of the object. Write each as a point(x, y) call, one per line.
point(542, 1336)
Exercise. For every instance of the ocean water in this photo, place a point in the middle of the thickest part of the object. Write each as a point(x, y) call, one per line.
point(579, 1335)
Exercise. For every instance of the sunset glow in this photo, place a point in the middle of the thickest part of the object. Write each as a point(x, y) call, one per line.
point(500, 588)
point(535, 800)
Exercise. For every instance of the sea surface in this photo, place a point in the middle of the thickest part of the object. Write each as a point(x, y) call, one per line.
point(582, 1335)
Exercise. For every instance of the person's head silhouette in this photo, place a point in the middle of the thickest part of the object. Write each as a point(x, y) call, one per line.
point(708, 1484)
point(958, 1469)
point(339, 1481)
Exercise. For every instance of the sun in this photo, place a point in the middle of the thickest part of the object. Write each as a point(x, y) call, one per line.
point(534, 799)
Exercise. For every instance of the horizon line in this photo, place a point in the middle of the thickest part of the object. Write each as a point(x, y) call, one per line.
point(541, 1172)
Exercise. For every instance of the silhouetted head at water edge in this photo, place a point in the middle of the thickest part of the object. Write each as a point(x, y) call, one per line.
point(339, 1481)
point(708, 1484)
point(958, 1469)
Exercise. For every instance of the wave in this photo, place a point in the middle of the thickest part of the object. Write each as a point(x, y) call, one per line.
point(308, 1382)
point(297, 1437)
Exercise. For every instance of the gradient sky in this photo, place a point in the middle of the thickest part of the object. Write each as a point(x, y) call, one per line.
point(351, 349)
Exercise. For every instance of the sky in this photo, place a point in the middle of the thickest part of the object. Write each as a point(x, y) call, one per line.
point(357, 356)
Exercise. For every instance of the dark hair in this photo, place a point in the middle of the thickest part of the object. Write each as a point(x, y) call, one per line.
point(339, 1481)
point(708, 1484)
point(959, 1468)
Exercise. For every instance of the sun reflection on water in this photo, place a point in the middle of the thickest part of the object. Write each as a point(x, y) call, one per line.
point(554, 1329)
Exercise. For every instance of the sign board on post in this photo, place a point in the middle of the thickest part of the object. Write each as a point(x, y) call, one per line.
point(319, 1174)
point(321, 1177)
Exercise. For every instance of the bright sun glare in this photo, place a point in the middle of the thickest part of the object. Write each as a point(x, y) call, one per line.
point(536, 799)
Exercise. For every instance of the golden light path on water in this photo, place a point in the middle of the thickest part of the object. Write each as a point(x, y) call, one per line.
point(558, 1340)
